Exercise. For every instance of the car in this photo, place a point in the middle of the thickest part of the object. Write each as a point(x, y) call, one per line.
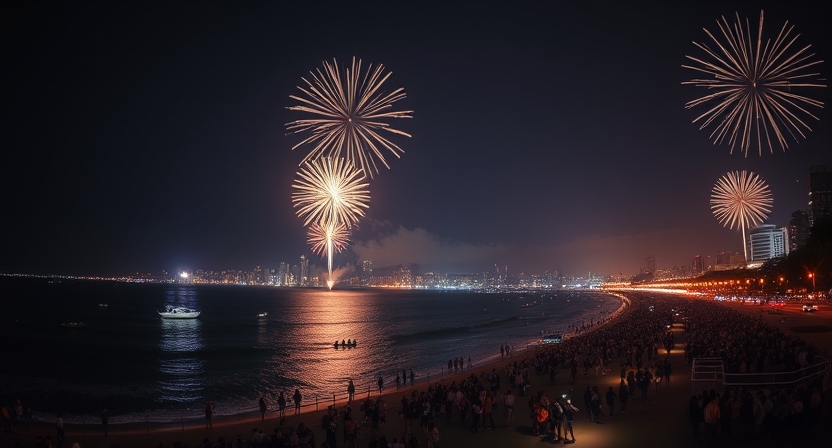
point(810, 308)
point(777, 303)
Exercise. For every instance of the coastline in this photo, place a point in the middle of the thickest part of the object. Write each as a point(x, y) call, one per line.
point(191, 432)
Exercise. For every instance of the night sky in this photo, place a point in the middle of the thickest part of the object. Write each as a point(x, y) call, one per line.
point(148, 136)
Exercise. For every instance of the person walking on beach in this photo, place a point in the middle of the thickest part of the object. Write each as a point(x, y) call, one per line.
point(209, 415)
point(297, 397)
point(380, 384)
point(105, 419)
point(263, 408)
point(351, 391)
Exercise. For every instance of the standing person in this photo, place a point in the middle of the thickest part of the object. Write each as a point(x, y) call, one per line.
point(263, 409)
point(611, 400)
point(209, 415)
point(433, 433)
point(297, 397)
point(281, 406)
point(711, 416)
point(476, 412)
point(351, 390)
point(105, 419)
point(380, 384)
point(569, 411)
point(508, 399)
point(487, 411)
point(556, 416)
point(470, 364)
point(595, 401)
point(59, 422)
point(623, 395)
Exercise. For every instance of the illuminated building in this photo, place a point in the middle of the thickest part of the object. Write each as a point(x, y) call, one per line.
point(820, 193)
point(798, 230)
point(304, 271)
point(766, 242)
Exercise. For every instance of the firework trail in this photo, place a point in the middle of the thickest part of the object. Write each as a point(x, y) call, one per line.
point(751, 85)
point(349, 114)
point(327, 241)
point(742, 200)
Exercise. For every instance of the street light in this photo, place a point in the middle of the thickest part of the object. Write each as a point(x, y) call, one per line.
point(812, 276)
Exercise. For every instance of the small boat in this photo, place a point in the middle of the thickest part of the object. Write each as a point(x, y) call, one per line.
point(348, 344)
point(103, 305)
point(179, 313)
point(74, 324)
point(262, 315)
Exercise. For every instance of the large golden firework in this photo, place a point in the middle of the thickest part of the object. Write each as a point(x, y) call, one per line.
point(330, 191)
point(742, 200)
point(349, 114)
point(752, 86)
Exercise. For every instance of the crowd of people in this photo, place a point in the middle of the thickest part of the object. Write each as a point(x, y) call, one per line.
point(747, 345)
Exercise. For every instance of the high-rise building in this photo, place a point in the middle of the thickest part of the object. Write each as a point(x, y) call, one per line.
point(820, 194)
point(283, 274)
point(766, 242)
point(798, 230)
point(304, 271)
point(697, 267)
point(366, 272)
point(649, 265)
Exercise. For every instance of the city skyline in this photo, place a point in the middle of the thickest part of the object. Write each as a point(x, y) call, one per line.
point(544, 137)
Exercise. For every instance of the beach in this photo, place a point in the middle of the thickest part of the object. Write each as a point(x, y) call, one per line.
point(661, 421)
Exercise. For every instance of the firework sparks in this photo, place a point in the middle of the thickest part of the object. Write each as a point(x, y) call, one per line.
point(349, 115)
point(741, 200)
point(752, 86)
point(321, 237)
point(327, 241)
point(330, 192)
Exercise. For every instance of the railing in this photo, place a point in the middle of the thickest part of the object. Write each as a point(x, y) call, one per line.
point(707, 369)
point(778, 379)
point(711, 370)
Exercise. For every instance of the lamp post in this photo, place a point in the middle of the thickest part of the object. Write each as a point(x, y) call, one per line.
point(812, 276)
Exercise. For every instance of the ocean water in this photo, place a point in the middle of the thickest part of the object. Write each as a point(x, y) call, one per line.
point(143, 367)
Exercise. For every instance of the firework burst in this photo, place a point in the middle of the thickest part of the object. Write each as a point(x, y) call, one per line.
point(327, 241)
point(751, 84)
point(742, 200)
point(330, 192)
point(350, 113)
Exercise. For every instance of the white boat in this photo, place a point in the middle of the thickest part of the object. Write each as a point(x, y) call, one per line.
point(262, 314)
point(179, 313)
